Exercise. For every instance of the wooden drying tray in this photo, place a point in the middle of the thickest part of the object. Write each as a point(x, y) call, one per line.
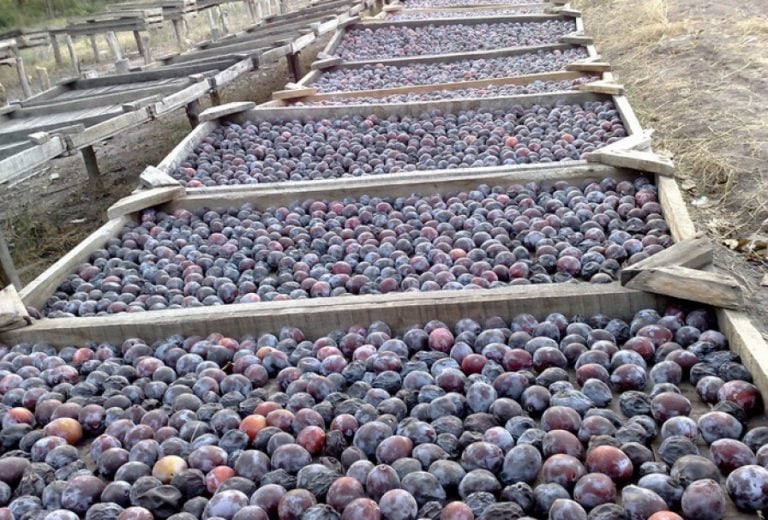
point(262, 196)
point(271, 113)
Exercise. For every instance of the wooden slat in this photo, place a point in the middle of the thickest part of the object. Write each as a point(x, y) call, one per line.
point(181, 98)
point(319, 316)
point(109, 128)
point(13, 313)
point(143, 200)
point(182, 150)
point(471, 20)
point(230, 74)
point(747, 342)
point(635, 159)
point(31, 158)
point(690, 284)
point(37, 292)
point(294, 93)
point(693, 253)
point(674, 209)
point(219, 111)
point(152, 177)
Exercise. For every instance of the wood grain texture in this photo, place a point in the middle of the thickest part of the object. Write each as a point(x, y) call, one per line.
point(31, 158)
point(674, 209)
point(747, 342)
point(143, 200)
point(714, 289)
point(13, 313)
point(319, 316)
point(694, 253)
point(634, 159)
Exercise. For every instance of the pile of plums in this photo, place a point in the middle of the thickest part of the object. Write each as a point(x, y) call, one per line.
point(437, 95)
point(409, 14)
point(364, 43)
point(479, 239)
point(380, 76)
point(581, 418)
point(354, 146)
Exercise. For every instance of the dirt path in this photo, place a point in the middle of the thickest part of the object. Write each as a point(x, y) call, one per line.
point(51, 210)
point(697, 73)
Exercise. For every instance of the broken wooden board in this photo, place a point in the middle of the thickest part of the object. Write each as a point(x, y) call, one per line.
point(153, 177)
point(714, 289)
point(326, 63)
point(589, 65)
point(13, 313)
point(693, 253)
point(143, 200)
point(602, 87)
point(635, 159)
point(294, 93)
point(577, 38)
point(216, 112)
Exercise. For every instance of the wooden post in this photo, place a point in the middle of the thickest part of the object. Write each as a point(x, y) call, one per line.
point(26, 89)
point(42, 77)
point(193, 112)
point(122, 66)
point(147, 49)
point(251, 9)
point(294, 65)
point(177, 31)
point(212, 24)
point(215, 97)
point(91, 164)
point(114, 45)
point(3, 95)
point(259, 10)
point(223, 19)
point(95, 48)
point(8, 274)
point(139, 43)
point(56, 50)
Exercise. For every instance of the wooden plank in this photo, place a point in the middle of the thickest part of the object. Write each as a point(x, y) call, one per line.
point(589, 66)
point(317, 317)
point(13, 313)
point(460, 56)
point(109, 128)
point(745, 340)
point(31, 158)
point(143, 199)
point(631, 123)
point(635, 159)
point(8, 274)
point(458, 85)
point(603, 87)
point(263, 196)
point(675, 211)
point(180, 98)
point(36, 293)
point(152, 177)
point(578, 38)
point(182, 150)
point(638, 141)
point(219, 111)
point(113, 98)
point(709, 288)
point(472, 20)
point(693, 253)
point(294, 93)
point(326, 63)
point(230, 74)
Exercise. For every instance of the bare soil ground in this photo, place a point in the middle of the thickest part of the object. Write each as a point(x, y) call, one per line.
point(697, 72)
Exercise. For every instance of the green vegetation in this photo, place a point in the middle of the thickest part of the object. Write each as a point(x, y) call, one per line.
point(17, 14)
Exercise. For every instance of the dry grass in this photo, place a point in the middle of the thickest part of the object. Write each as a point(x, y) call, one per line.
point(686, 78)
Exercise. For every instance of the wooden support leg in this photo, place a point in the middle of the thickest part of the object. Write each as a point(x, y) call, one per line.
point(139, 43)
point(177, 31)
point(193, 112)
point(56, 51)
point(22, 72)
point(212, 24)
point(8, 274)
point(72, 55)
point(91, 164)
point(95, 48)
point(259, 10)
point(223, 19)
point(42, 77)
point(294, 65)
point(251, 10)
point(215, 97)
point(114, 45)
point(147, 49)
